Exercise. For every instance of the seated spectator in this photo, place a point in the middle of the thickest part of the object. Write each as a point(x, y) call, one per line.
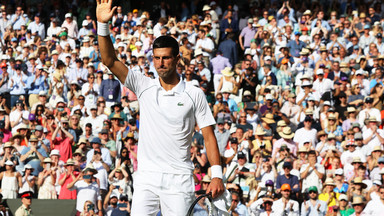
point(33, 155)
point(328, 195)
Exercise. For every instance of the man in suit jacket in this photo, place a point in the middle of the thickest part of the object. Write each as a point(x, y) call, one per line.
point(229, 24)
point(336, 74)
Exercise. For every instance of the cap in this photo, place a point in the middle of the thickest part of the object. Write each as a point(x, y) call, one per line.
point(96, 140)
point(39, 128)
point(285, 187)
point(320, 72)
point(339, 171)
point(250, 20)
point(269, 182)
point(26, 194)
point(240, 155)
point(368, 100)
point(103, 131)
point(54, 152)
point(312, 188)
point(268, 97)
point(343, 197)
point(287, 164)
point(68, 15)
point(358, 136)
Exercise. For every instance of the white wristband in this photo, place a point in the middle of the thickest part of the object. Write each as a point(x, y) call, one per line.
point(102, 29)
point(216, 172)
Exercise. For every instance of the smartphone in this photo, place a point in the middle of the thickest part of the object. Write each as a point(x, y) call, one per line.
point(90, 207)
point(48, 166)
point(117, 186)
point(122, 205)
point(87, 177)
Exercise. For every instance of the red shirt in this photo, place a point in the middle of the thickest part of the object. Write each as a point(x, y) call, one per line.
point(64, 146)
point(64, 192)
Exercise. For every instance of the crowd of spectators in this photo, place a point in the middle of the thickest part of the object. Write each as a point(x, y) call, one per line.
point(296, 89)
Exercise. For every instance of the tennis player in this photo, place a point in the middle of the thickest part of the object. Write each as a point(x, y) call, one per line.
point(169, 110)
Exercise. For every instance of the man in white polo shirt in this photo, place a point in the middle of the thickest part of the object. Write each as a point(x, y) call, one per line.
point(169, 110)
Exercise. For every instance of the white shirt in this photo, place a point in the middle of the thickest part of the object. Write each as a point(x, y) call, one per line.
point(374, 141)
point(37, 28)
point(86, 192)
point(323, 86)
point(278, 207)
point(206, 43)
point(374, 207)
point(207, 73)
point(97, 124)
point(102, 175)
point(303, 134)
point(14, 115)
point(167, 121)
point(364, 114)
point(91, 98)
point(347, 156)
point(312, 178)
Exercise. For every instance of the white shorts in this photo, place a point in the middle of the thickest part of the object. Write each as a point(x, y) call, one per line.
point(172, 193)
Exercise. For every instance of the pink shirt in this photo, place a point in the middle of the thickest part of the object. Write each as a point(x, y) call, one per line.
point(291, 145)
point(64, 192)
point(64, 146)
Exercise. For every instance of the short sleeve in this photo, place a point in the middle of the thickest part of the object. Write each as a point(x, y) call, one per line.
point(136, 82)
point(203, 113)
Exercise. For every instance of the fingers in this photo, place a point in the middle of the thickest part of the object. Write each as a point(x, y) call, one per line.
point(113, 10)
point(98, 2)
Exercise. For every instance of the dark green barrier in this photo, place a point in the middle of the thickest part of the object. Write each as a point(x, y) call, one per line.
point(46, 207)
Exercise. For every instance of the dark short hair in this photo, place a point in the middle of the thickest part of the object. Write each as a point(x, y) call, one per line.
point(89, 125)
point(165, 42)
point(312, 152)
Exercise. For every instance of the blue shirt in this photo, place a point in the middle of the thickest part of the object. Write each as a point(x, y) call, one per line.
point(33, 159)
point(36, 86)
point(295, 48)
point(18, 88)
point(291, 180)
point(110, 90)
point(343, 189)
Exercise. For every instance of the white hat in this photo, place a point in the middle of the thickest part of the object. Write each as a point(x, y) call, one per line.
point(9, 163)
point(54, 152)
point(327, 103)
point(150, 31)
point(93, 107)
point(268, 97)
point(85, 23)
point(74, 82)
point(54, 52)
point(248, 51)
point(306, 83)
point(68, 15)
point(307, 12)
point(85, 39)
point(266, 58)
point(360, 72)
point(319, 71)
point(206, 8)
point(42, 93)
point(232, 130)
point(339, 171)
point(28, 166)
point(198, 52)
point(138, 43)
point(39, 67)
point(121, 44)
point(118, 36)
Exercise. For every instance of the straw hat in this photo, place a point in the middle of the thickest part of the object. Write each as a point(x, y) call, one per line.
point(359, 180)
point(268, 118)
point(90, 167)
point(357, 200)
point(70, 161)
point(116, 116)
point(331, 117)
point(320, 133)
point(331, 136)
point(79, 151)
point(350, 110)
point(287, 133)
point(329, 181)
point(206, 178)
point(8, 145)
point(260, 132)
point(281, 123)
point(33, 138)
point(356, 160)
point(47, 160)
point(227, 72)
point(303, 149)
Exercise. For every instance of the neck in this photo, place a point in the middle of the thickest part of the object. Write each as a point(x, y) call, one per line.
point(169, 82)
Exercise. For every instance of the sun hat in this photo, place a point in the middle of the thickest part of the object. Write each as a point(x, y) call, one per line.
point(227, 71)
point(260, 132)
point(329, 181)
point(359, 180)
point(357, 200)
point(287, 133)
point(268, 118)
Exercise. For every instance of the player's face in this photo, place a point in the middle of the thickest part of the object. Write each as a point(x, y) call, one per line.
point(165, 63)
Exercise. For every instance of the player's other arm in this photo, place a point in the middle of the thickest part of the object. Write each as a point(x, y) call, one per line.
point(216, 186)
point(104, 13)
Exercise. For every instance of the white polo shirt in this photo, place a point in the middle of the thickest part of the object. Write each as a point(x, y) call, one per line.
point(86, 192)
point(167, 120)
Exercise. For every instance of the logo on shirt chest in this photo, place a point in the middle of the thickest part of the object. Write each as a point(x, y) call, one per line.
point(180, 104)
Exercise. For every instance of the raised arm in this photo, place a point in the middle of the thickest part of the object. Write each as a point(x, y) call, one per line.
point(104, 13)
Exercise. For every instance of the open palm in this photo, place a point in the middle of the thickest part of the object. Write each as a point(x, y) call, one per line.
point(103, 10)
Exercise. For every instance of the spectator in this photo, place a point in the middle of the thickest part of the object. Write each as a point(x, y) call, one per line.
point(285, 205)
point(313, 206)
point(10, 181)
point(86, 189)
point(46, 181)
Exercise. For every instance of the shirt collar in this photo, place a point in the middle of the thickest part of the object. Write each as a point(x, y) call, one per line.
point(179, 88)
